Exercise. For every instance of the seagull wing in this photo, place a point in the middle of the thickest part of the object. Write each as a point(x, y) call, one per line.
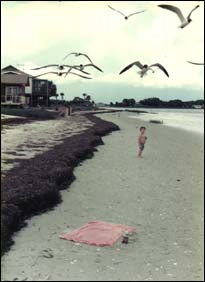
point(78, 54)
point(80, 75)
point(46, 73)
point(76, 68)
point(136, 13)
point(73, 53)
point(94, 66)
point(202, 64)
point(189, 15)
point(175, 10)
point(161, 68)
point(47, 66)
point(85, 72)
point(81, 54)
point(137, 63)
point(116, 10)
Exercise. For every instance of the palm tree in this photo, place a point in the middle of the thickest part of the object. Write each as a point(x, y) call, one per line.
point(88, 98)
point(62, 96)
point(84, 95)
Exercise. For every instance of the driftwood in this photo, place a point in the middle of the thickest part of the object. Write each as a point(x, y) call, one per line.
point(156, 121)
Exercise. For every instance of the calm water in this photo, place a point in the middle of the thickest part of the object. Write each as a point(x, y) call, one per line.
point(188, 119)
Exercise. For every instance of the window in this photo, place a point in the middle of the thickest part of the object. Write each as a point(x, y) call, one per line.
point(12, 94)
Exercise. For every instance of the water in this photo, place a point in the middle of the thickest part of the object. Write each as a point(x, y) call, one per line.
point(187, 119)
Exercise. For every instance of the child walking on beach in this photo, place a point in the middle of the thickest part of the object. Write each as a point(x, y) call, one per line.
point(141, 140)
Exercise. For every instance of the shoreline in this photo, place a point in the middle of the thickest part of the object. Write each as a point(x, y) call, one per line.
point(33, 186)
point(161, 195)
point(181, 128)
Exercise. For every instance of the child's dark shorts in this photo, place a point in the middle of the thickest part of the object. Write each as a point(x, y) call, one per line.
point(141, 147)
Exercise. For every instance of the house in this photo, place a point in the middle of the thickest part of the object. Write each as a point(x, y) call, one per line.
point(39, 91)
point(198, 106)
point(19, 88)
point(13, 83)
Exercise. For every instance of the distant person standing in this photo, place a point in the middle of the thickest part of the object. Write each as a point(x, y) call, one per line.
point(69, 110)
point(141, 140)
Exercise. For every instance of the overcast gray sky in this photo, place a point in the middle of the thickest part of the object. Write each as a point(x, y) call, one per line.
point(35, 33)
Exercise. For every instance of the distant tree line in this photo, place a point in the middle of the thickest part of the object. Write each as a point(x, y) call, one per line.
point(86, 101)
point(157, 103)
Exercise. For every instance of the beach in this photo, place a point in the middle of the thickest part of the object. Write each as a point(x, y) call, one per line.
point(161, 195)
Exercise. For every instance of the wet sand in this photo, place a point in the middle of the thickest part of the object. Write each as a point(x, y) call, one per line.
point(161, 195)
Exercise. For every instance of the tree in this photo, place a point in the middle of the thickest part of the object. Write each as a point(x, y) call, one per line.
point(129, 102)
point(151, 102)
point(62, 96)
point(175, 103)
point(88, 98)
point(84, 95)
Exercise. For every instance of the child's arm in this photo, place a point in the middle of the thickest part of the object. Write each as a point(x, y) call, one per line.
point(139, 140)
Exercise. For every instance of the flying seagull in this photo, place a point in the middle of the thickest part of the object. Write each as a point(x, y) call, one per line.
point(77, 67)
point(62, 67)
point(61, 73)
point(81, 67)
point(144, 68)
point(126, 17)
point(184, 21)
point(77, 55)
point(201, 64)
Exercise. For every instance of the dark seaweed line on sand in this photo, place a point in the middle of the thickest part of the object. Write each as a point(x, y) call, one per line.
point(33, 186)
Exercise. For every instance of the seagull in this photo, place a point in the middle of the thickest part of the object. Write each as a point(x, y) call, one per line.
point(77, 55)
point(77, 67)
point(184, 21)
point(201, 64)
point(81, 67)
point(62, 67)
point(144, 68)
point(126, 17)
point(61, 73)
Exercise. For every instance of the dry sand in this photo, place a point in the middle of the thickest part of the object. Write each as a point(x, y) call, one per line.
point(118, 187)
point(25, 141)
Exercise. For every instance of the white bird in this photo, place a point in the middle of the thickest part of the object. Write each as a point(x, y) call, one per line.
point(177, 11)
point(126, 16)
point(81, 67)
point(62, 67)
point(77, 55)
point(201, 64)
point(77, 67)
point(144, 68)
point(61, 73)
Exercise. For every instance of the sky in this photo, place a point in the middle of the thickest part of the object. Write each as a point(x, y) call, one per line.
point(36, 33)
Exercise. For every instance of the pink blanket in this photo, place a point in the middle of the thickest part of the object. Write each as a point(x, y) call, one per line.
point(98, 233)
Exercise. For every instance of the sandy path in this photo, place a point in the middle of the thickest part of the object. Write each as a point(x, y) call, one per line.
point(115, 186)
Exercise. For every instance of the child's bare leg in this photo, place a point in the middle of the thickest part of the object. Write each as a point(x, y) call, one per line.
point(140, 153)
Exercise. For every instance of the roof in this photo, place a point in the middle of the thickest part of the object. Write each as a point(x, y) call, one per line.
point(11, 68)
point(12, 75)
point(14, 79)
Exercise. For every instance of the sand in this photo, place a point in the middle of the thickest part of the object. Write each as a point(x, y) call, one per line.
point(161, 195)
point(25, 141)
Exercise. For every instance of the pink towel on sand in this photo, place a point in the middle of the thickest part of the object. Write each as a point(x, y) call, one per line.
point(98, 233)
